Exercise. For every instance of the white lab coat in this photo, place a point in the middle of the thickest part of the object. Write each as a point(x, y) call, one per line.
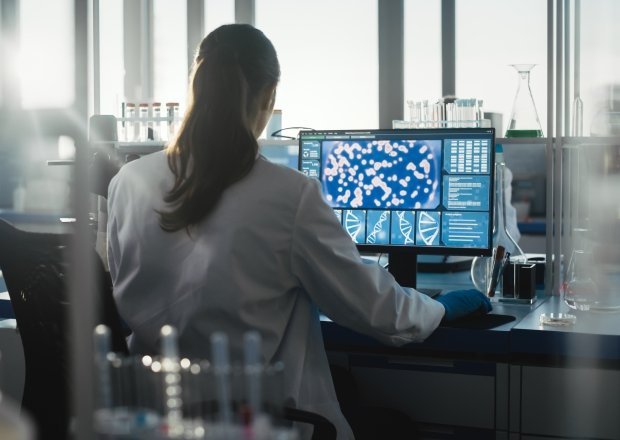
point(269, 257)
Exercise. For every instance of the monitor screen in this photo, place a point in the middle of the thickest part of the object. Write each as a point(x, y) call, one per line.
point(425, 191)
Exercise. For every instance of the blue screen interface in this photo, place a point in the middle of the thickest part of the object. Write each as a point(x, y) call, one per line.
point(428, 188)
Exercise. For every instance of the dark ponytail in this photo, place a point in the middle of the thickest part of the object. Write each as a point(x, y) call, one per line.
point(216, 146)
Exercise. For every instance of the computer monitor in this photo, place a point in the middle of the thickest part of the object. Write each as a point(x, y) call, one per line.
point(406, 192)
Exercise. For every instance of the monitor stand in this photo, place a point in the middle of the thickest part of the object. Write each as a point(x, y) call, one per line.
point(404, 267)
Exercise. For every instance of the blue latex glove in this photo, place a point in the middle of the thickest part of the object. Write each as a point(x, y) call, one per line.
point(461, 303)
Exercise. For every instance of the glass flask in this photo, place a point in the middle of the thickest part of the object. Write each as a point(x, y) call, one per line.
point(580, 290)
point(524, 120)
point(481, 266)
point(585, 286)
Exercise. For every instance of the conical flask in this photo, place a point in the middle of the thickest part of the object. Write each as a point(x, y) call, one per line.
point(524, 120)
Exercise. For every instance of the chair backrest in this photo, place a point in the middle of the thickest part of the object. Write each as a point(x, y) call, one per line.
point(35, 269)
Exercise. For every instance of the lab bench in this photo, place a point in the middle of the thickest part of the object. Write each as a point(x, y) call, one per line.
point(516, 380)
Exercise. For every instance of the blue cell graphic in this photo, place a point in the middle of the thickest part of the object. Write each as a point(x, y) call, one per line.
point(378, 227)
point(427, 231)
point(403, 227)
point(382, 174)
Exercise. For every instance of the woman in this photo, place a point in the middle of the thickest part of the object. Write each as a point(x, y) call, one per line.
point(209, 236)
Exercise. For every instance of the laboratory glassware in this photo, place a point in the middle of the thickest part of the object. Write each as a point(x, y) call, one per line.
point(131, 122)
point(172, 112)
point(524, 120)
point(155, 125)
point(481, 267)
point(143, 121)
point(586, 286)
point(578, 287)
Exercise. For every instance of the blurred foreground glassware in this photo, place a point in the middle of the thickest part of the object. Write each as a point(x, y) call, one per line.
point(524, 120)
point(166, 397)
point(589, 283)
point(580, 289)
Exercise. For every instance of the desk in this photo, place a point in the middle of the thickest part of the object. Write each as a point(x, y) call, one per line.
point(518, 380)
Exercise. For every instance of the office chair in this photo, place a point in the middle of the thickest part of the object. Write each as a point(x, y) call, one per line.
point(35, 268)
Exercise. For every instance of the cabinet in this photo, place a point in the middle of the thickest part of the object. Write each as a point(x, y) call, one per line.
point(569, 402)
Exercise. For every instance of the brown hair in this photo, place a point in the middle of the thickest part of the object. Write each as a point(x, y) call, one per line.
point(215, 145)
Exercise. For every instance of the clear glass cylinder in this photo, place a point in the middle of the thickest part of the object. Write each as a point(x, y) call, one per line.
point(524, 120)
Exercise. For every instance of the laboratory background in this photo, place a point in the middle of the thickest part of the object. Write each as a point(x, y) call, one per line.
point(89, 85)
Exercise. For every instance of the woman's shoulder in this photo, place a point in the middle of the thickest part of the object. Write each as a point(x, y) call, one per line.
point(281, 172)
point(275, 179)
point(145, 165)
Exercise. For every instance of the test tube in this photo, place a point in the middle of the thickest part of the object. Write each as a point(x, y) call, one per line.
point(252, 347)
point(172, 112)
point(221, 370)
point(143, 121)
point(155, 123)
point(130, 122)
point(410, 104)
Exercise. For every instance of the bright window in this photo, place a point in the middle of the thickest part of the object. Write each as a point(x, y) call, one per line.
point(217, 13)
point(46, 65)
point(422, 56)
point(112, 72)
point(170, 51)
point(328, 53)
point(600, 64)
point(490, 35)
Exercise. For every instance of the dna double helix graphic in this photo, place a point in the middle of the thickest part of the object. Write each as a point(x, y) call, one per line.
point(377, 228)
point(428, 227)
point(352, 224)
point(405, 226)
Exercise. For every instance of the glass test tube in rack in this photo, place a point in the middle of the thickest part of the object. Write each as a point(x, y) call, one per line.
point(144, 122)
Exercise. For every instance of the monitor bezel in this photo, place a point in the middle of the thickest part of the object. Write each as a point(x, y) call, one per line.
point(422, 250)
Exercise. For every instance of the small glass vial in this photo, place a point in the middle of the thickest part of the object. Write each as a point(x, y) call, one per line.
point(143, 121)
point(172, 112)
point(155, 124)
point(130, 122)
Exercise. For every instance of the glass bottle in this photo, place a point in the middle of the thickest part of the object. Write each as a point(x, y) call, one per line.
point(524, 120)
point(481, 266)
